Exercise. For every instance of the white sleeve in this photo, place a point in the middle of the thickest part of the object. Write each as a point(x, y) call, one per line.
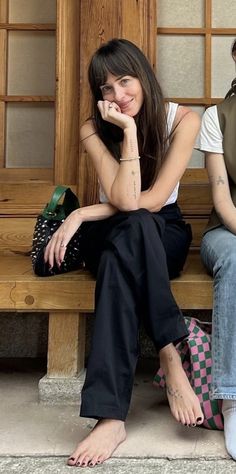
point(210, 137)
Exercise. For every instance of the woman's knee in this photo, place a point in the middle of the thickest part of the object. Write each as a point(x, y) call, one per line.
point(218, 249)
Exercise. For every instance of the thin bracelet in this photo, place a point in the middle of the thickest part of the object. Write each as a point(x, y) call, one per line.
point(130, 159)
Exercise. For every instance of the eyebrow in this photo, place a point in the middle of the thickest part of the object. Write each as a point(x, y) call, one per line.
point(117, 79)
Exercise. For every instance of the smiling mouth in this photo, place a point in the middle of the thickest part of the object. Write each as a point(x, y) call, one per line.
point(124, 106)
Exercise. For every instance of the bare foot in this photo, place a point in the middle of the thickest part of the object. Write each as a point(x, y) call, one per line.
point(99, 444)
point(184, 403)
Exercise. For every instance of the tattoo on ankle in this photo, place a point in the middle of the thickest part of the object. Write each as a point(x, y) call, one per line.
point(173, 392)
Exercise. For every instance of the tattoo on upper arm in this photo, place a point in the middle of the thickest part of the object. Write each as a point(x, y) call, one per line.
point(220, 180)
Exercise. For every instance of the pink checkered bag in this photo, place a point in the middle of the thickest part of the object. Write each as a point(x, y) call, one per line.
point(195, 353)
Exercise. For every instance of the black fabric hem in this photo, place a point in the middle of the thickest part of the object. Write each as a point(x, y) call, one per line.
point(104, 412)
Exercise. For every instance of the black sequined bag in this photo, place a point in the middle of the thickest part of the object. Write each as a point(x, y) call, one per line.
point(47, 223)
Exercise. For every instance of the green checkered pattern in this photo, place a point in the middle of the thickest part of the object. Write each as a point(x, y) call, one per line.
point(195, 353)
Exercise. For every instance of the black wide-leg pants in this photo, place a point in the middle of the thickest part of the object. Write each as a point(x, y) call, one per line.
point(133, 255)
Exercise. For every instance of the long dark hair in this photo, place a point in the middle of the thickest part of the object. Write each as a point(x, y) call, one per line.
point(120, 57)
point(232, 90)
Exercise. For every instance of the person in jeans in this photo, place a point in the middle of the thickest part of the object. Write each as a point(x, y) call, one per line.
point(134, 240)
point(218, 251)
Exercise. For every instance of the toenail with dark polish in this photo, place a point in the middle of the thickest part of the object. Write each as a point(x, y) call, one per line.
point(193, 425)
point(199, 419)
point(71, 459)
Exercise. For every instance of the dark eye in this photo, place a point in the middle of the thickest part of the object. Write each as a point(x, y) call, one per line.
point(124, 81)
point(105, 89)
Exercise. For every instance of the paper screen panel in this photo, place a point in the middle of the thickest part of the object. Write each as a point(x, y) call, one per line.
point(180, 13)
point(30, 135)
point(180, 65)
point(223, 66)
point(224, 13)
point(32, 11)
point(31, 63)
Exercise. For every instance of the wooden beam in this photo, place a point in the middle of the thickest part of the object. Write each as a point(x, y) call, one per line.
point(3, 11)
point(26, 174)
point(67, 92)
point(196, 31)
point(180, 31)
point(28, 26)
point(208, 23)
point(26, 98)
point(142, 29)
point(3, 77)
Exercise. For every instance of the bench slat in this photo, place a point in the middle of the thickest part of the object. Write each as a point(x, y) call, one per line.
point(22, 290)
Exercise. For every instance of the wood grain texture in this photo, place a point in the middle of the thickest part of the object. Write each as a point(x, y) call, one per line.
point(65, 350)
point(20, 289)
point(28, 26)
point(3, 11)
point(26, 175)
point(16, 235)
point(67, 92)
point(28, 198)
point(28, 98)
point(3, 88)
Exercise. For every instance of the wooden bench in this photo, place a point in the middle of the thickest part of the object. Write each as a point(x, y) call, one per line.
point(67, 298)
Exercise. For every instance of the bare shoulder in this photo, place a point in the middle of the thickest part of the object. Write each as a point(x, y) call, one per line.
point(187, 115)
point(87, 130)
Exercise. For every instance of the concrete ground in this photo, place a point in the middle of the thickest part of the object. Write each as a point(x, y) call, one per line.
point(37, 439)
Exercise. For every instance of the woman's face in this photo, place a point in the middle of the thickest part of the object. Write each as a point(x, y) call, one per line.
point(125, 91)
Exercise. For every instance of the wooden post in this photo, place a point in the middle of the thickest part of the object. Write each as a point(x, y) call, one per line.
point(67, 92)
point(3, 77)
point(66, 345)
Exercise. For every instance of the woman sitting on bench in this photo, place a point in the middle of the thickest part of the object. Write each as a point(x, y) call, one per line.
point(218, 139)
point(134, 242)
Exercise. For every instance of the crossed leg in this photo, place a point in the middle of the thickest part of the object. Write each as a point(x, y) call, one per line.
point(184, 403)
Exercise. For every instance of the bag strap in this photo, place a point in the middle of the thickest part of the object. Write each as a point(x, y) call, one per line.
point(56, 211)
point(58, 193)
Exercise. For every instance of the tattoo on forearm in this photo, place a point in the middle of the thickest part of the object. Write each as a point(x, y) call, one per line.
point(132, 145)
point(220, 180)
point(173, 392)
point(135, 190)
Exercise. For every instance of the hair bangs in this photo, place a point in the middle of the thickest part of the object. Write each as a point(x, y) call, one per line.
point(113, 62)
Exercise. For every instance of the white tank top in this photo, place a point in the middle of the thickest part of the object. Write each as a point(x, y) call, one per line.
point(172, 109)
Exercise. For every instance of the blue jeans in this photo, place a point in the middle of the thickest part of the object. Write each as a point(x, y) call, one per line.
point(218, 252)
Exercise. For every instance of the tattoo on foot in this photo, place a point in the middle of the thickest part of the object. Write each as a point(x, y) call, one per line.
point(173, 392)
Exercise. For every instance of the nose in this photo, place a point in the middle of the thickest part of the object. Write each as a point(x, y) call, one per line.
point(118, 93)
